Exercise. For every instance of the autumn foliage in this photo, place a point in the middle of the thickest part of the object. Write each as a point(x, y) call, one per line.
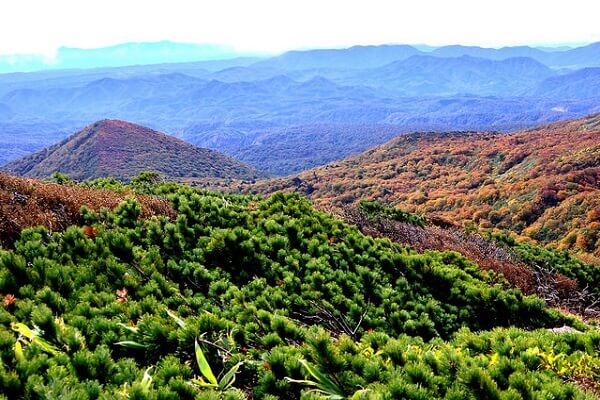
point(27, 203)
point(542, 184)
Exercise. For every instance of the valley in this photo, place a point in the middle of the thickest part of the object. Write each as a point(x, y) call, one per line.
point(122, 150)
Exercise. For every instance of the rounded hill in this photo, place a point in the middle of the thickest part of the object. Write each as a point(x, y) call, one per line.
point(122, 149)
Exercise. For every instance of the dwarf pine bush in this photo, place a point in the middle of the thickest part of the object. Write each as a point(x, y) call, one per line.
point(284, 301)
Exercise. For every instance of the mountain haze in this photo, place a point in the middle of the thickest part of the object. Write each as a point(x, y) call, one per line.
point(427, 75)
point(225, 105)
point(115, 56)
point(353, 57)
point(583, 83)
point(578, 57)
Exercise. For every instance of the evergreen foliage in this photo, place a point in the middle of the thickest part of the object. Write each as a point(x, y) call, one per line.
point(587, 275)
point(243, 297)
point(375, 209)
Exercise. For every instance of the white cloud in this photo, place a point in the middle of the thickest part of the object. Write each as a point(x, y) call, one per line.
point(30, 26)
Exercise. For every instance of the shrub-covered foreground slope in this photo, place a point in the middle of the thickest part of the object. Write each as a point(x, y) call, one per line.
point(541, 183)
point(289, 301)
point(559, 277)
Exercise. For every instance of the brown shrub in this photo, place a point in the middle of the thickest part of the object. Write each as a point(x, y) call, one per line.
point(528, 177)
point(485, 254)
point(554, 288)
point(26, 203)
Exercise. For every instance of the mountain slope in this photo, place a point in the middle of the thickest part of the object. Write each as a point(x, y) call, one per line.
point(284, 151)
point(542, 183)
point(353, 57)
point(28, 203)
point(123, 150)
point(579, 84)
point(267, 294)
point(426, 75)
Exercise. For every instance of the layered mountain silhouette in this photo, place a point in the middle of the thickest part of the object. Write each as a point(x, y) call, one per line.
point(428, 75)
point(583, 83)
point(224, 105)
point(374, 56)
point(579, 57)
point(353, 57)
point(122, 150)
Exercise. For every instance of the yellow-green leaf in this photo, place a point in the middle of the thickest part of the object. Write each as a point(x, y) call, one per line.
point(325, 383)
point(23, 330)
point(19, 356)
point(203, 365)
point(201, 382)
point(229, 378)
point(131, 344)
point(175, 318)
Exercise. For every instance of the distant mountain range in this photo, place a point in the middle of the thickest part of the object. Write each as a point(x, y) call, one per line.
point(583, 83)
point(146, 53)
point(541, 183)
point(579, 57)
point(325, 97)
point(376, 56)
point(352, 58)
point(435, 76)
point(116, 56)
point(291, 150)
point(120, 149)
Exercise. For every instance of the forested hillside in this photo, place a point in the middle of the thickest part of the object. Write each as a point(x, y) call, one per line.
point(120, 149)
point(542, 184)
point(233, 297)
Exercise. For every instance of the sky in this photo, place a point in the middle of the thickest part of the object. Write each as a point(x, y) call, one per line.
point(272, 26)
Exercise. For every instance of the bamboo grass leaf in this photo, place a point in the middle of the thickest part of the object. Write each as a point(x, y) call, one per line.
point(132, 329)
point(34, 336)
point(229, 378)
point(201, 382)
point(146, 380)
point(130, 344)
point(177, 320)
point(324, 381)
point(19, 356)
point(204, 366)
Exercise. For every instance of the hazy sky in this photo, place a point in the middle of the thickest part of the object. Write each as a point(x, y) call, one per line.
point(28, 26)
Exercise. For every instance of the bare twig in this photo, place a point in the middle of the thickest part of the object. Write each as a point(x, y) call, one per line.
point(216, 346)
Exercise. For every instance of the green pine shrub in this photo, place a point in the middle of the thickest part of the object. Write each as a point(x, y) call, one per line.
point(294, 302)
